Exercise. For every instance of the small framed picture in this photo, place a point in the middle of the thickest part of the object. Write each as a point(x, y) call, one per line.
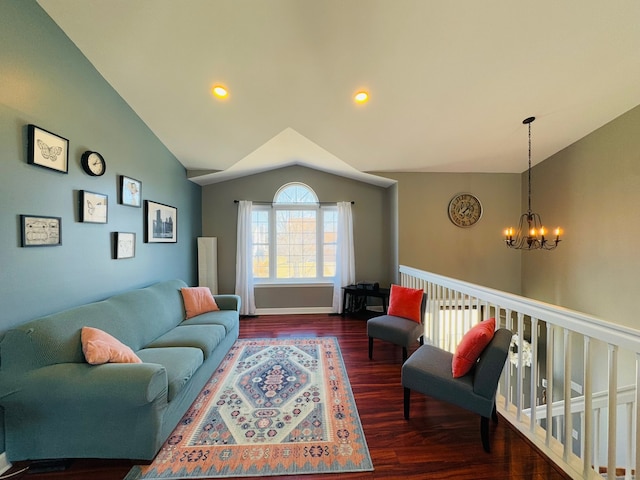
point(130, 191)
point(124, 245)
point(47, 150)
point(93, 207)
point(161, 223)
point(40, 231)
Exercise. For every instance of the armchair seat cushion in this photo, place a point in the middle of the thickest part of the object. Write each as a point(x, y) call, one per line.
point(398, 330)
point(428, 371)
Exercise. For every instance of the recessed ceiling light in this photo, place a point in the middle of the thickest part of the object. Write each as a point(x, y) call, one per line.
point(220, 91)
point(361, 97)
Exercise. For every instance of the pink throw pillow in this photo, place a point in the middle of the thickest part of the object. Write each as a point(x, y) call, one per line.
point(405, 302)
point(471, 346)
point(99, 347)
point(198, 300)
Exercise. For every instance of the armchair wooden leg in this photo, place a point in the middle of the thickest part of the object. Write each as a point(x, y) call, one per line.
point(370, 348)
point(494, 414)
point(484, 434)
point(407, 400)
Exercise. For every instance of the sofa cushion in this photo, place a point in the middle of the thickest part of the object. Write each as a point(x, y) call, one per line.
point(227, 318)
point(99, 347)
point(198, 300)
point(204, 337)
point(179, 362)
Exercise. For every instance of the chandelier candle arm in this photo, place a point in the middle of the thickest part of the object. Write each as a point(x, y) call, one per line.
point(530, 235)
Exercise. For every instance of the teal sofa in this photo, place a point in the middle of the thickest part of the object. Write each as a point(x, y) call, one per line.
point(58, 406)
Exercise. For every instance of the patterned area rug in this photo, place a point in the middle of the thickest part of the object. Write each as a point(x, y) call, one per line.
point(275, 407)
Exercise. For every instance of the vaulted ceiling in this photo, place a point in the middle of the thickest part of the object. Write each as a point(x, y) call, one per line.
point(450, 81)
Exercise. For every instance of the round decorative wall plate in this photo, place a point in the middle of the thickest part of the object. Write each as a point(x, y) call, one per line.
point(465, 210)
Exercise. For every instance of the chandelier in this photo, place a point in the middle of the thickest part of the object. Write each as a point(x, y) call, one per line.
point(531, 234)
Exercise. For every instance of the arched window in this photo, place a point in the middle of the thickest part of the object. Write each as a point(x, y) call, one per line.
point(295, 193)
point(295, 238)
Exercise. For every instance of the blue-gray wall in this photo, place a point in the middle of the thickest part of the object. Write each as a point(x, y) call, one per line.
point(45, 80)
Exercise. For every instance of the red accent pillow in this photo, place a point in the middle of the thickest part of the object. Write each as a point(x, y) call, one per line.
point(99, 347)
point(471, 346)
point(198, 300)
point(405, 302)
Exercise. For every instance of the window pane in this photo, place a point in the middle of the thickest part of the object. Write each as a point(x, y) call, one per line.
point(329, 261)
point(296, 243)
point(329, 242)
point(260, 239)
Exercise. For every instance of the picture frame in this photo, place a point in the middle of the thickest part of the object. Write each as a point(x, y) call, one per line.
point(161, 223)
point(40, 231)
point(47, 150)
point(93, 207)
point(130, 191)
point(124, 245)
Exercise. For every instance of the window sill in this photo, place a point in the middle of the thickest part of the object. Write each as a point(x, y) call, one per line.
point(292, 284)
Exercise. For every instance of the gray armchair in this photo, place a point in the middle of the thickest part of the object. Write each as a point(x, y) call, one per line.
point(428, 371)
point(397, 330)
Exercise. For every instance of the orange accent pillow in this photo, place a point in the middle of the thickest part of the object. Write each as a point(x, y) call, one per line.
point(198, 300)
point(99, 347)
point(471, 346)
point(405, 302)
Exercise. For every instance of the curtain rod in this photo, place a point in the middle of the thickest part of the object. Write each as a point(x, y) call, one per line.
point(314, 203)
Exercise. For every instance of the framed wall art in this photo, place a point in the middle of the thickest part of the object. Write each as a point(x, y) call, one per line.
point(93, 207)
point(130, 191)
point(124, 245)
point(47, 149)
point(40, 231)
point(161, 223)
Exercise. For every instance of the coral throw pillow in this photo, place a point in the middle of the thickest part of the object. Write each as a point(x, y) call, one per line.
point(198, 300)
point(471, 346)
point(99, 347)
point(405, 302)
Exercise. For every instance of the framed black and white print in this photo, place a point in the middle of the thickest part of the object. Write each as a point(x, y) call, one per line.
point(47, 149)
point(40, 231)
point(93, 207)
point(130, 191)
point(124, 245)
point(161, 223)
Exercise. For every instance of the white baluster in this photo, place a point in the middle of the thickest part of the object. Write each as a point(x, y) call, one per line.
point(534, 374)
point(550, 356)
point(568, 418)
point(587, 434)
point(613, 401)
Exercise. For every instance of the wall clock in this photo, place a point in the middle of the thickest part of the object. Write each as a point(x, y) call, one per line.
point(465, 210)
point(93, 163)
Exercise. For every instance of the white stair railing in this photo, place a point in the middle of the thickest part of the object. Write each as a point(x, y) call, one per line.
point(559, 359)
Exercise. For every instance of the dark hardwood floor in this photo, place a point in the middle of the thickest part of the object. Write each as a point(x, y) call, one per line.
point(438, 442)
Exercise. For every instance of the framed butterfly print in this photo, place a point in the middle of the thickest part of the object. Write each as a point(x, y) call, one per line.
point(48, 150)
point(93, 207)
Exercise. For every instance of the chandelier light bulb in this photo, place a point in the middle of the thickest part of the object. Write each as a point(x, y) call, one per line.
point(220, 91)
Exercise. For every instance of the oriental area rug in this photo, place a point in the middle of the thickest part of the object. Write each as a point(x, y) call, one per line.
point(274, 407)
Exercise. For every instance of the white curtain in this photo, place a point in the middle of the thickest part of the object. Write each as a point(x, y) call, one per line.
point(244, 260)
point(345, 261)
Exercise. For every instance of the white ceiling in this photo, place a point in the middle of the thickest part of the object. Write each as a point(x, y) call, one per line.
point(450, 81)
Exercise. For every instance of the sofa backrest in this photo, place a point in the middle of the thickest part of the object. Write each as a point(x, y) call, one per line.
point(135, 318)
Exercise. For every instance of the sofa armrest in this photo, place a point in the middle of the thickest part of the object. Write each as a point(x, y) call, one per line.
point(228, 302)
point(131, 384)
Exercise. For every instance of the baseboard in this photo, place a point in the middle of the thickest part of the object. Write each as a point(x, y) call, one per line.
point(293, 311)
point(4, 463)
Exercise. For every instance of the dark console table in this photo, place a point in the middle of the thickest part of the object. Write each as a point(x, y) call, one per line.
point(353, 291)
